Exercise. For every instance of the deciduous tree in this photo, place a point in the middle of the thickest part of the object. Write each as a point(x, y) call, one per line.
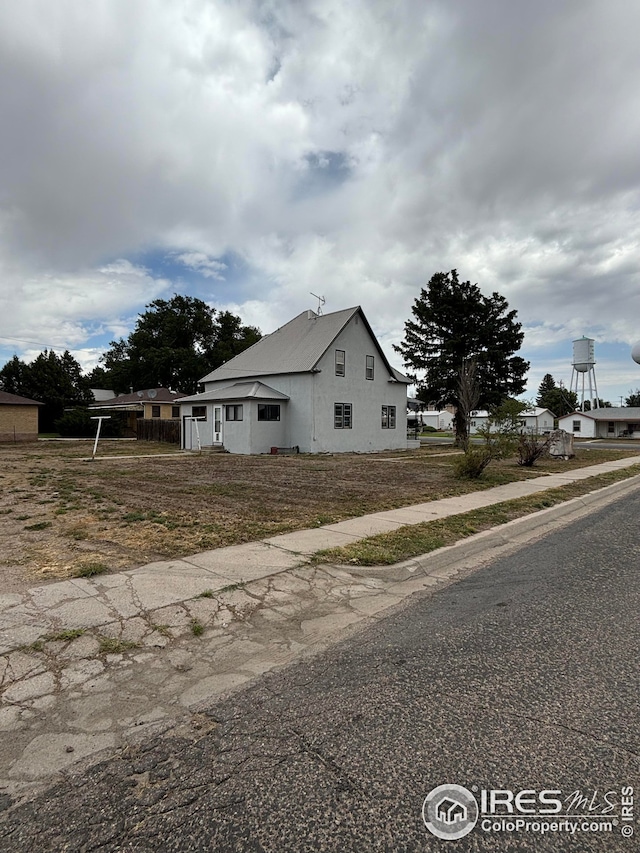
point(174, 344)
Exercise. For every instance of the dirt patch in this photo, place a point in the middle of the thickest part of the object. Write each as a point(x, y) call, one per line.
point(60, 512)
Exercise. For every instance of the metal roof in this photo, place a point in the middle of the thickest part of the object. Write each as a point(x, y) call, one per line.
point(238, 391)
point(296, 347)
point(612, 413)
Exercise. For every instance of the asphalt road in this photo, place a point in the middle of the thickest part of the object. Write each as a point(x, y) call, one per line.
point(522, 676)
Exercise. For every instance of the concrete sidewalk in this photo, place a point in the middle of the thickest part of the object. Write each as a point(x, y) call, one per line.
point(87, 664)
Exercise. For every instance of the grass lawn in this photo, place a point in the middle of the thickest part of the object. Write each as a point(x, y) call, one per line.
point(60, 513)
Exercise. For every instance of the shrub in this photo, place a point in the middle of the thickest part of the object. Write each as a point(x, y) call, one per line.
point(531, 448)
point(472, 464)
point(77, 423)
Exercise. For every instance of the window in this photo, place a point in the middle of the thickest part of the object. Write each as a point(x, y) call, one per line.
point(340, 362)
point(234, 413)
point(342, 415)
point(576, 426)
point(611, 427)
point(155, 411)
point(199, 412)
point(175, 411)
point(268, 412)
point(368, 368)
point(388, 417)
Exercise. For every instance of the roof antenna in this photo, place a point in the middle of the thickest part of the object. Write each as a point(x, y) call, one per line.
point(321, 301)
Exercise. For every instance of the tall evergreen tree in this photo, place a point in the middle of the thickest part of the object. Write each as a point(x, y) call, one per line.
point(547, 385)
point(55, 380)
point(454, 324)
point(556, 398)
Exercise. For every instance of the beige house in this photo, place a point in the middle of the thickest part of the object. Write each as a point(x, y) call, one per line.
point(18, 418)
point(150, 404)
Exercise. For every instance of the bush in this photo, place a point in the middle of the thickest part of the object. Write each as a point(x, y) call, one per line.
point(77, 423)
point(531, 448)
point(472, 464)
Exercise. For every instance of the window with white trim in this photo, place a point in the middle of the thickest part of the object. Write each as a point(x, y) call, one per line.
point(388, 417)
point(199, 412)
point(576, 426)
point(368, 367)
point(341, 360)
point(233, 412)
point(342, 415)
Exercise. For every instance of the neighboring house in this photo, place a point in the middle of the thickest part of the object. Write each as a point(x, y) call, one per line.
point(437, 420)
point(536, 420)
point(18, 418)
point(614, 422)
point(478, 420)
point(320, 383)
point(158, 403)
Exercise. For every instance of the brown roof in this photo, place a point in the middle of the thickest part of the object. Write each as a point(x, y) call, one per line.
point(149, 395)
point(7, 399)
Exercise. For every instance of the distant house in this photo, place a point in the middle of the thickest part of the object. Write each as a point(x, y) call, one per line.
point(442, 419)
point(320, 383)
point(614, 422)
point(536, 420)
point(160, 403)
point(18, 418)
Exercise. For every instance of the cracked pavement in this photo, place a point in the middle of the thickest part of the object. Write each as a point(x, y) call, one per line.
point(88, 666)
point(520, 674)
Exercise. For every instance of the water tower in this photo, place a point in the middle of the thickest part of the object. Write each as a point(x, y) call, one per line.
point(584, 361)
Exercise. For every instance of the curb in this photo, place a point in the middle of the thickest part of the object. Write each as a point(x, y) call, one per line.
point(518, 529)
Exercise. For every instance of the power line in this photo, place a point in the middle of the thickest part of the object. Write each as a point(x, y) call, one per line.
point(37, 343)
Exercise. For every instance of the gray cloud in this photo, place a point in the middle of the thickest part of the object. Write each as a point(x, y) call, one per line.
point(347, 149)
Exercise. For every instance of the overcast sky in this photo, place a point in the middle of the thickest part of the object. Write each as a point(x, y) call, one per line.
point(250, 152)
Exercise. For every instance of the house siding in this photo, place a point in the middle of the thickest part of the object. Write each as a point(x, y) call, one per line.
point(18, 423)
point(367, 396)
point(307, 417)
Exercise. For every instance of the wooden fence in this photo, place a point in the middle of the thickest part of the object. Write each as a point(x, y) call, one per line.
point(154, 429)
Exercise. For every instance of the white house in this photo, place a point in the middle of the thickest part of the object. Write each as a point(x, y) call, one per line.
point(535, 420)
point(437, 419)
point(320, 383)
point(613, 422)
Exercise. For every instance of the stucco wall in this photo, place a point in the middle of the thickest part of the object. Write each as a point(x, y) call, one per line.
point(18, 423)
point(307, 418)
point(367, 396)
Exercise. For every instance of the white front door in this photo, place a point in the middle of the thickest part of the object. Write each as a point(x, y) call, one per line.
point(217, 424)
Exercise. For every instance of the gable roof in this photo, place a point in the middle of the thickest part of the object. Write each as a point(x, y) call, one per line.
point(7, 399)
point(149, 395)
point(611, 413)
point(296, 347)
point(238, 391)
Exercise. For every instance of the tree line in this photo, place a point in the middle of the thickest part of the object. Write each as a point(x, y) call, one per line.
point(174, 344)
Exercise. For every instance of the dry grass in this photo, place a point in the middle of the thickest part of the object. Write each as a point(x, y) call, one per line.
point(123, 511)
